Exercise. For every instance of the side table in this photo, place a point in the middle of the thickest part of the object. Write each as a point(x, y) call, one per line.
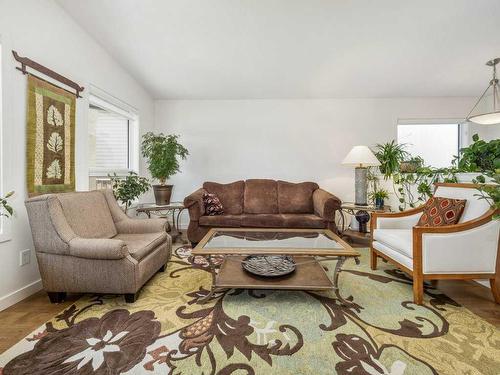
point(173, 210)
point(351, 208)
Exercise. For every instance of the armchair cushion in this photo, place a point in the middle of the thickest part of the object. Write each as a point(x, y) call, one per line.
point(138, 226)
point(141, 245)
point(400, 240)
point(87, 213)
point(439, 211)
point(97, 248)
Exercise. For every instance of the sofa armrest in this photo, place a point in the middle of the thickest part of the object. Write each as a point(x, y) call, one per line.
point(325, 204)
point(138, 226)
point(194, 203)
point(97, 248)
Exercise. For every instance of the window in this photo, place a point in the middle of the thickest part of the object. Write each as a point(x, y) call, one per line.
point(113, 138)
point(437, 143)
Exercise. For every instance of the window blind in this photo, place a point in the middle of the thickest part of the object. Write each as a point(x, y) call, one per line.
point(111, 141)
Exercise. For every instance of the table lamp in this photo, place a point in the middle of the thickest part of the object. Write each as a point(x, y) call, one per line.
point(361, 157)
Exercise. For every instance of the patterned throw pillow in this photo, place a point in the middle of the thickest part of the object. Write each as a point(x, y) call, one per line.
point(212, 204)
point(439, 211)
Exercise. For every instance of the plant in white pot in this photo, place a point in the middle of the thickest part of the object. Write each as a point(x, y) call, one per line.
point(481, 158)
point(162, 153)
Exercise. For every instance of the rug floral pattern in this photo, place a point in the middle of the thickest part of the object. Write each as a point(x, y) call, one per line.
point(370, 327)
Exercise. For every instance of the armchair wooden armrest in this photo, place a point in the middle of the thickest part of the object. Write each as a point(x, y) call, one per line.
point(397, 216)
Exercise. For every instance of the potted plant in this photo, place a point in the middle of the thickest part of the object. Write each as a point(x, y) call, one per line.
point(390, 155)
point(478, 159)
point(128, 189)
point(162, 153)
point(378, 197)
point(411, 165)
point(5, 208)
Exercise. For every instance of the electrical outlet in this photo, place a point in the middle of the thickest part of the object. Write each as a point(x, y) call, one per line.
point(24, 257)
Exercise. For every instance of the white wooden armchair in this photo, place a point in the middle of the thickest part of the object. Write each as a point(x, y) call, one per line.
point(467, 250)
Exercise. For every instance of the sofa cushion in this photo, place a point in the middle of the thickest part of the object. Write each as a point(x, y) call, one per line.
point(87, 213)
point(221, 220)
point(230, 195)
point(261, 197)
point(400, 240)
point(262, 220)
point(212, 204)
point(140, 245)
point(303, 221)
point(296, 198)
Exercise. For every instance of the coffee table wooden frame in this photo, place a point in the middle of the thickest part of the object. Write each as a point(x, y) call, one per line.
point(309, 275)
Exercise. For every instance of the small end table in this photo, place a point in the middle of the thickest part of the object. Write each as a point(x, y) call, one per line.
point(351, 208)
point(173, 210)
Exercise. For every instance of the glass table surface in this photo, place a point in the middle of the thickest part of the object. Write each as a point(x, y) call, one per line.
point(271, 239)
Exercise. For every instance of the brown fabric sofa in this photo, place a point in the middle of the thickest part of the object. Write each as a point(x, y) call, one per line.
point(263, 204)
point(85, 243)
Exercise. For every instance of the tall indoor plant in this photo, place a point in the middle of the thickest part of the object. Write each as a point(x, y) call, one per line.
point(162, 153)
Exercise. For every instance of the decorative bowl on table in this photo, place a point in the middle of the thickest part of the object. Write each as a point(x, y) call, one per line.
point(269, 265)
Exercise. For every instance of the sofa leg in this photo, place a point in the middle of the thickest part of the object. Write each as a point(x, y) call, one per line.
point(495, 289)
point(56, 297)
point(162, 269)
point(373, 259)
point(131, 297)
point(418, 289)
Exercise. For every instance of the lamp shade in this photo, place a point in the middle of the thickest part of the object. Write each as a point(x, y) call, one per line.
point(361, 156)
point(486, 118)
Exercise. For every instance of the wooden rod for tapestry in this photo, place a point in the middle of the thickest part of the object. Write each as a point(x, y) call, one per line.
point(26, 62)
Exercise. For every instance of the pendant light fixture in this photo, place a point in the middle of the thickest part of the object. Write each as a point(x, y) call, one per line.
point(488, 114)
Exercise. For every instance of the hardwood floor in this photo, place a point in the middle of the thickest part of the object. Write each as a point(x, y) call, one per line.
point(22, 318)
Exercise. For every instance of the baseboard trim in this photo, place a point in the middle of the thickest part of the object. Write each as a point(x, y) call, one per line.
point(20, 294)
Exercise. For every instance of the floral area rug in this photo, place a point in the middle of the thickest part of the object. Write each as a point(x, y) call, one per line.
point(370, 327)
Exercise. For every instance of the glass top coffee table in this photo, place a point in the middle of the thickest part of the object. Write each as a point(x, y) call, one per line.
point(308, 247)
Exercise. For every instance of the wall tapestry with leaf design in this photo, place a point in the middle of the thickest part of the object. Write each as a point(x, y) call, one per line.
point(50, 138)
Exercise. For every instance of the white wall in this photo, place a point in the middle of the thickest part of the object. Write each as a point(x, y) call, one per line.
point(41, 30)
point(294, 140)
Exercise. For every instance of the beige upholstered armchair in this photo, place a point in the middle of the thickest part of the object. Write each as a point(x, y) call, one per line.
point(85, 243)
point(466, 250)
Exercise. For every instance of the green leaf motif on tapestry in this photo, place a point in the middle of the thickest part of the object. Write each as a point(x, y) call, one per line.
point(54, 170)
point(55, 142)
point(54, 117)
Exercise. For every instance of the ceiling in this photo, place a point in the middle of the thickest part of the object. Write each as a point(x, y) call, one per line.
point(253, 49)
